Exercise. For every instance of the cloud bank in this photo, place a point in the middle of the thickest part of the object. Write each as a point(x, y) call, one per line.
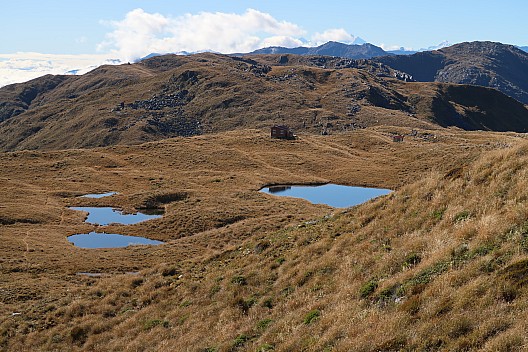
point(141, 33)
point(335, 35)
point(21, 67)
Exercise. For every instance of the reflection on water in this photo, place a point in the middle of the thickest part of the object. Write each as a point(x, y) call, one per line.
point(278, 189)
point(108, 240)
point(89, 274)
point(337, 196)
point(107, 215)
point(153, 211)
point(98, 195)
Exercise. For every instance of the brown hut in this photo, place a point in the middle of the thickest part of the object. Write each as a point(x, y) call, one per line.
point(397, 138)
point(282, 132)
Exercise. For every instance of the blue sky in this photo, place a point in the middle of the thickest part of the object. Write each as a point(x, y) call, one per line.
point(128, 29)
point(78, 26)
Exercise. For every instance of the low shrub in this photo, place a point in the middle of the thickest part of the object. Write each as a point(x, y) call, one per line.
point(170, 271)
point(79, 334)
point(245, 304)
point(149, 324)
point(239, 280)
point(263, 324)
point(265, 347)
point(438, 214)
point(368, 288)
point(136, 282)
point(411, 260)
point(241, 340)
point(463, 215)
point(312, 316)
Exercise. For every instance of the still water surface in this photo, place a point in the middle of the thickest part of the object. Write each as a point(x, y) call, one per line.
point(107, 215)
point(98, 195)
point(108, 240)
point(337, 196)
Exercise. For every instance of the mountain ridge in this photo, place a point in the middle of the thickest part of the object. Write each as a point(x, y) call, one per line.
point(331, 48)
point(500, 66)
point(169, 96)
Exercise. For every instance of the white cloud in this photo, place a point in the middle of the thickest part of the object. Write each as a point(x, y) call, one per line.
point(394, 47)
point(336, 35)
point(21, 67)
point(284, 41)
point(141, 33)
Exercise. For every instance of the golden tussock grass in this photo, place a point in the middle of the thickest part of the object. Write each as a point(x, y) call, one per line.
point(437, 265)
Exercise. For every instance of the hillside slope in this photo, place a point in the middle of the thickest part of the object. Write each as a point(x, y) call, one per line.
point(441, 264)
point(489, 64)
point(169, 96)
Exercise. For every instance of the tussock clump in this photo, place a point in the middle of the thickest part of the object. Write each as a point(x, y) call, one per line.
point(159, 200)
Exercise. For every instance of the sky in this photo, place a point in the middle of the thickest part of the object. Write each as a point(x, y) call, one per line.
point(57, 36)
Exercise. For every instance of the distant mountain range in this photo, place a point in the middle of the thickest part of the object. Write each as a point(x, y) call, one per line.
point(359, 49)
point(403, 51)
point(350, 51)
point(488, 64)
point(356, 50)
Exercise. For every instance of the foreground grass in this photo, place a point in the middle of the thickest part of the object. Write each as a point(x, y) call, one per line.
point(438, 265)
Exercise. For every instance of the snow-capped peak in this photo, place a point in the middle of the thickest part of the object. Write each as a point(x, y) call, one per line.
point(359, 41)
point(439, 46)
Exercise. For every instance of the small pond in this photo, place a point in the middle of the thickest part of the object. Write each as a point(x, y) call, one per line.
point(108, 240)
point(337, 196)
point(98, 195)
point(107, 215)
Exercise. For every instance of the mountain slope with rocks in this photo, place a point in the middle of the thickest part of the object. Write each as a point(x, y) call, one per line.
point(171, 95)
point(495, 65)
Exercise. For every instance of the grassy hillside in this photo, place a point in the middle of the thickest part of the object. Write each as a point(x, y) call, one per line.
point(438, 265)
point(169, 96)
point(468, 107)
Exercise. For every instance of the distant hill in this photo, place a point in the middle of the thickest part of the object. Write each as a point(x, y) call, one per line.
point(15, 99)
point(170, 95)
point(524, 48)
point(402, 51)
point(301, 50)
point(151, 55)
point(489, 64)
point(351, 51)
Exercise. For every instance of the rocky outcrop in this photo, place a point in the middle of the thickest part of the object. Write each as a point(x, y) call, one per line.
point(159, 102)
